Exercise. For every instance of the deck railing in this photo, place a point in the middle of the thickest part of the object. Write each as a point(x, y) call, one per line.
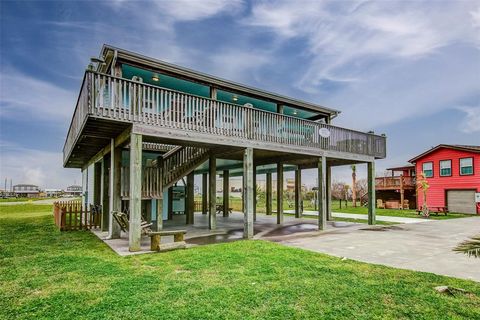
point(120, 99)
point(394, 182)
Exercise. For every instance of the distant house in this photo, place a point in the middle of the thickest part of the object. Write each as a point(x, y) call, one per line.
point(26, 191)
point(74, 191)
point(53, 192)
point(397, 188)
point(453, 175)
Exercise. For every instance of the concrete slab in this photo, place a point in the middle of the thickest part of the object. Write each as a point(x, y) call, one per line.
point(416, 246)
point(365, 217)
point(228, 229)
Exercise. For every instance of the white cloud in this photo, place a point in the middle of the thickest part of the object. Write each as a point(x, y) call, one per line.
point(22, 95)
point(190, 10)
point(471, 121)
point(342, 33)
point(37, 167)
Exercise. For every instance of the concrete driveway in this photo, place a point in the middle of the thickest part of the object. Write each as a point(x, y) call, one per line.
point(416, 246)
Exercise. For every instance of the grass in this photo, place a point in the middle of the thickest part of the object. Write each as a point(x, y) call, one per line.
point(21, 199)
point(395, 212)
point(236, 204)
point(49, 274)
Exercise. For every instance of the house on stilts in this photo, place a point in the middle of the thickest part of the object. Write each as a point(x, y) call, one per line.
point(140, 125)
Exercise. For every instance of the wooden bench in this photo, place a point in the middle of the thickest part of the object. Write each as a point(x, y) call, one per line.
point(178, 240)
point(435, 209)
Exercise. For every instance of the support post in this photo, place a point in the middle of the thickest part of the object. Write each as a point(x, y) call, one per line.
point(190, 207)
point(402, 192)
point(248, 173)
point(134, 230)
point(298, 193)
point(204, 193)
point(322, 206)
point(170, 203)
point(104, 197)
point(329, 193)
point(371, 192)
point(212, 193)
point(279, 193)
point(115, 201)
point(226, 192)
point(159, 222)
point(254, 186)
point(268, 193)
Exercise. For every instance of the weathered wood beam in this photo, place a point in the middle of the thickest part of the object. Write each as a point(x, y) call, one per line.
point(329, 192)
point(268, 194)
point(115, 188)
point(134, 231)
point(226, 192)
point(104, 197)
point(212, 193)
point(190, 205)
point(321, 185)
point(279, 193)
point(204, 193)
point(170, 203)
point(371, 192)
point(298, 193)
point(159, 215)
point(248, 200)
point(254, 193)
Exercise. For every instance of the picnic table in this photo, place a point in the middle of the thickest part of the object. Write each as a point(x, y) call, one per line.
point(435, 209)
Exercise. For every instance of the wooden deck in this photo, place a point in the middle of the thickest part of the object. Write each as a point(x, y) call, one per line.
point(108, 105)
point(394, 183)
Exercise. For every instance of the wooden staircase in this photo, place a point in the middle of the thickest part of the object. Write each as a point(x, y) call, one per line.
point(165, 171)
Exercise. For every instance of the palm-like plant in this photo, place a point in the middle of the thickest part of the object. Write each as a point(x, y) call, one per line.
point(422, 185)
point(470, 247)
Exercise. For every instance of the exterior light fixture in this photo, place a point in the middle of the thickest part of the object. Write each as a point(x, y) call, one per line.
point(155, 77)
point(295, 112)
point(235, 98)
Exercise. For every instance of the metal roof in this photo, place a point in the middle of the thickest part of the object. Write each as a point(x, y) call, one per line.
point(460, 147)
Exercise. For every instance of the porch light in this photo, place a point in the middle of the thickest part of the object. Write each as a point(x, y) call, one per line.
point(235, 98)
point(295, 112)
point(155, 77)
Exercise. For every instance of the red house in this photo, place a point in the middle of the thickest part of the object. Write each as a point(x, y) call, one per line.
point(453, 174)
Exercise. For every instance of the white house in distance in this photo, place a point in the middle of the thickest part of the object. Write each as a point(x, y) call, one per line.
point(26, 191)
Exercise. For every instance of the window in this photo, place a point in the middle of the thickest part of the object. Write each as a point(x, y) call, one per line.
point(445, 168)
point(466, 166)
point(427, 168)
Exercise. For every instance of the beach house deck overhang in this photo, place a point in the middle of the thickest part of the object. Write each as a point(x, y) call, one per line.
point(183, 118)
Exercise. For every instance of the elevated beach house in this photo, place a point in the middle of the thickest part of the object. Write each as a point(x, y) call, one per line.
point(140, 125)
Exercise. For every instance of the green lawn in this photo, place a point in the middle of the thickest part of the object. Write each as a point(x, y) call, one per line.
point(236, 204)
point(47, 274)
point(394, 212)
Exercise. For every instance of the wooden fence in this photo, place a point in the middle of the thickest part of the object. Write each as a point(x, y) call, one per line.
point(69, 215)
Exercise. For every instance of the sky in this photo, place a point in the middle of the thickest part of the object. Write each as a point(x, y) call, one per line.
point(409, 69)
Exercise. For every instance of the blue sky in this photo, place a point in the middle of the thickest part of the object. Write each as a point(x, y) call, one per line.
point(410, 69)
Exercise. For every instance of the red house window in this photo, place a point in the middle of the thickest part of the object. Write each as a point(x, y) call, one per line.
point(466, 166)
point(427, 168)
point(445, 168)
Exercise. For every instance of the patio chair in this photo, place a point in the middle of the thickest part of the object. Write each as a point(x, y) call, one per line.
point(124, 220)
point(380, 204)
